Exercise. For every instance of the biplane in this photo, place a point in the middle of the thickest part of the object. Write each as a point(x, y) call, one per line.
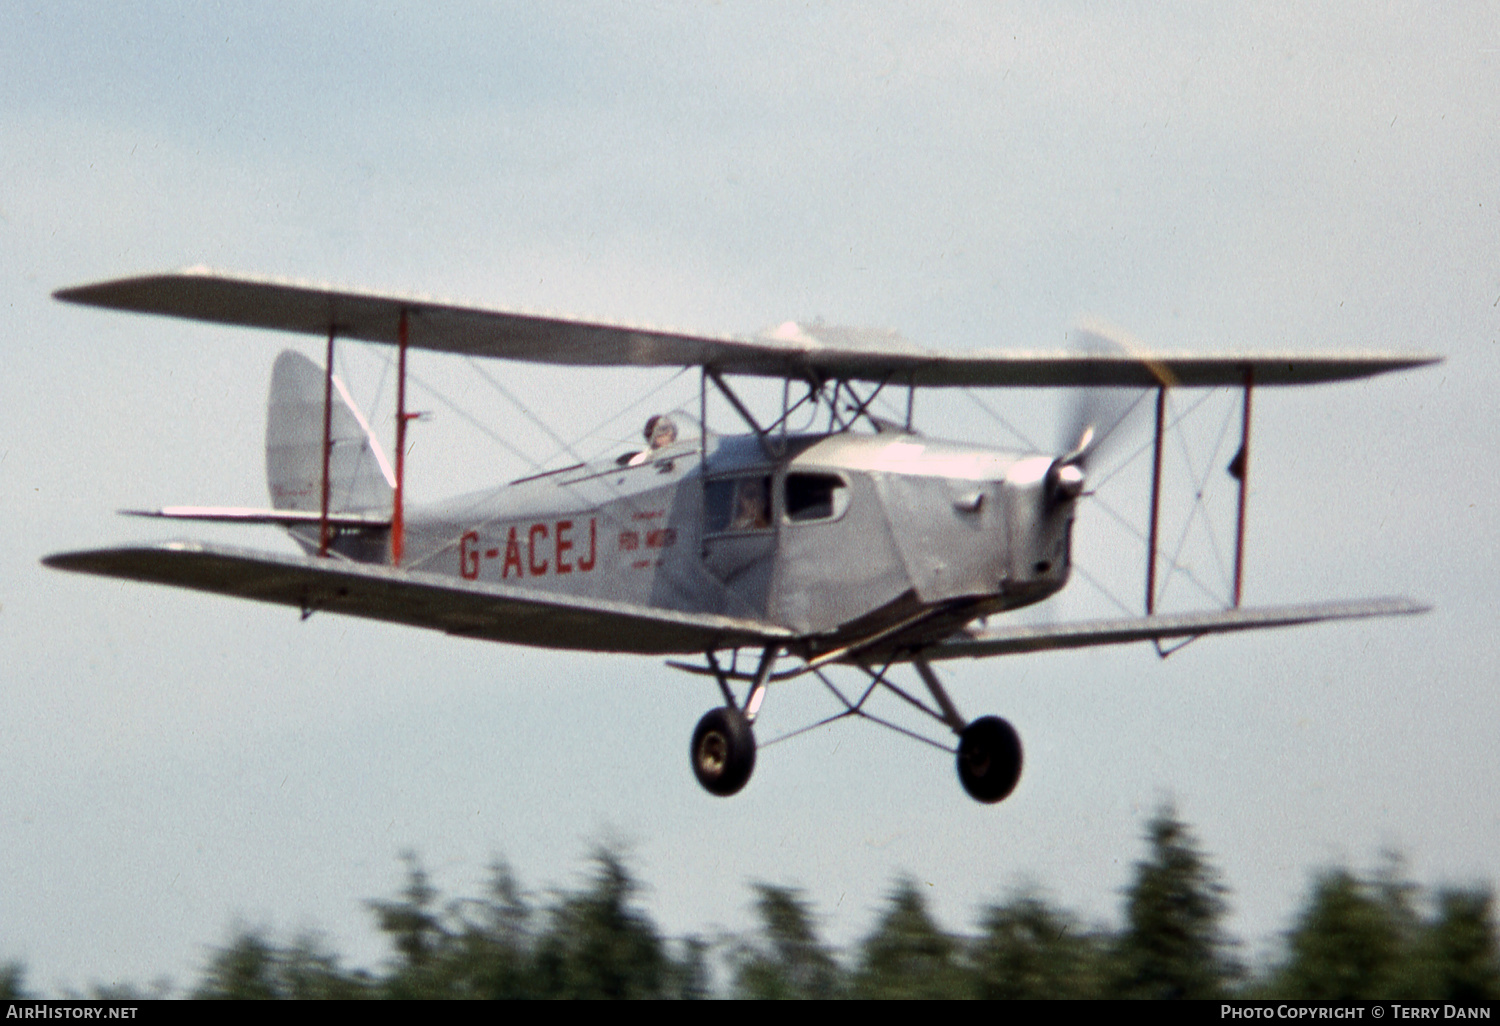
point(867, 545)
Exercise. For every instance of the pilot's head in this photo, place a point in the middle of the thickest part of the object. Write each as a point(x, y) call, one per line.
point(660, 431)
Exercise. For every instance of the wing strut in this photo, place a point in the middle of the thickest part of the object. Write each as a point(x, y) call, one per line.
point(325, 530)
point(1151, 537)
point(398, 517)
point(734, 400)
point(1239, 467)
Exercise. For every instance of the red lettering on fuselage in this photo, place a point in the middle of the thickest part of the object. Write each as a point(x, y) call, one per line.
point(536, 564)
point(588, 564)
point(536, 568)
point(512, 556)
point(564, 544)
point(468, 555)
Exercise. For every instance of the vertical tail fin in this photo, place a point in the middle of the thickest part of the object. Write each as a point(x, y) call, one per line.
point(359, 475)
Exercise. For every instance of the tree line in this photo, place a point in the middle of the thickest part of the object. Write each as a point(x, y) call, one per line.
point(1356, 937)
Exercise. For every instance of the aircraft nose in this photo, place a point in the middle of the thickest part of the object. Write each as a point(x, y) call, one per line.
point(1064, 481)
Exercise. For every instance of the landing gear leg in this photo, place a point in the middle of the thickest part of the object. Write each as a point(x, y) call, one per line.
point(723, 749)
point(989, 749)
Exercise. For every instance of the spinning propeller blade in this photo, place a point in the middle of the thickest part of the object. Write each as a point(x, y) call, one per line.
point(1095, 417)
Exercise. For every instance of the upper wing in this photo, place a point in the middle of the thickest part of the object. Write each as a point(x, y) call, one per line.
point(1010, 640)
point(493, 612)
point(792, 350)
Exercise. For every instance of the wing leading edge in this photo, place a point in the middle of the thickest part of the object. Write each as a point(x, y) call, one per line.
point(793, 350)
point(1089, 633)
point(474, 610)
point(521, 616)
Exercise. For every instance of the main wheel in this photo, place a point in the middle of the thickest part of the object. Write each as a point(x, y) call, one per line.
point(723, 751)
point(989, 759)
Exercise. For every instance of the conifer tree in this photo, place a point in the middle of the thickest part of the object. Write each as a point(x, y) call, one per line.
point(908, 955)
point(1173, 945)
point(790, 962)
point(1030, 950)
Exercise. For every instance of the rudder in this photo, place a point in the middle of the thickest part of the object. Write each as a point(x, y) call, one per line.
point(359, 475)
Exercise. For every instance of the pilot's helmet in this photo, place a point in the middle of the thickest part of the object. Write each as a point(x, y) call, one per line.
point(660, 431)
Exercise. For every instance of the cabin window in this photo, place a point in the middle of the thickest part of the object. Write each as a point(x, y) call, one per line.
point(737, 504)
point(814, 497)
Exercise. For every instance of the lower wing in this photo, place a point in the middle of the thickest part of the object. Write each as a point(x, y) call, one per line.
point(488, 611)
point(1088, 633)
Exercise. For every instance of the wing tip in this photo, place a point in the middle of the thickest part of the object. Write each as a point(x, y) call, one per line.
point(93, 561)
point(82, 562)
point(1403, 605)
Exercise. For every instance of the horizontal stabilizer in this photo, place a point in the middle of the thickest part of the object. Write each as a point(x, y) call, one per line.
point(1088, 633)
point(250, 515)
point(489, 611)
point(791, 350)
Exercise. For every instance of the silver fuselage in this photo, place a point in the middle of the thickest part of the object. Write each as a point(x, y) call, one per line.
point(829, 536)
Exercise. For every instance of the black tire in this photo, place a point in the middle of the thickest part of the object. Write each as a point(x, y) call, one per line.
point(723, 751)
point(989, 759)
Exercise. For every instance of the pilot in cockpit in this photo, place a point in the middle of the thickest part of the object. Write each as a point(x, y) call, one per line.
point(660, 432)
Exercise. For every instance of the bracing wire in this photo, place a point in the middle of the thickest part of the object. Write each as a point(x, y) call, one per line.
point(1007, 425)
point(532, 463)
point(1200, 489)
point(1173, 565)
point(459, 411)
point(597, 428)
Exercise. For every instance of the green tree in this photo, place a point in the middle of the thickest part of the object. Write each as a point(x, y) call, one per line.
point(251, 967)
point(308, 971)
point(1346, 944)
point(1457, 957)
point(908, 956)
point(599, 944)
point(789, 962)
point(242, 970)
point(1173, 945)
point(689, 977)
point(491, 950)
point(1030, 950)
point(414, 924)
point(11, 976)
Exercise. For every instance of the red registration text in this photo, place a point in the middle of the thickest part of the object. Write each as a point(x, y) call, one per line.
point(533, 550)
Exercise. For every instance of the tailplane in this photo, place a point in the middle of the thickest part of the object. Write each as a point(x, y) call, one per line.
point(359, 475)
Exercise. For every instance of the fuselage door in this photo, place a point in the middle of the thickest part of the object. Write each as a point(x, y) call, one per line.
point(739, 538)
point(836, 562)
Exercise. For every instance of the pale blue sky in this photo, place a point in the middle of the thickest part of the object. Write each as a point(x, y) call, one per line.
point(1299, 176)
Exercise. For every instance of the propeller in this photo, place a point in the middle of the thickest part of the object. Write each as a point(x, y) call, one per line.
point(1095, 418)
